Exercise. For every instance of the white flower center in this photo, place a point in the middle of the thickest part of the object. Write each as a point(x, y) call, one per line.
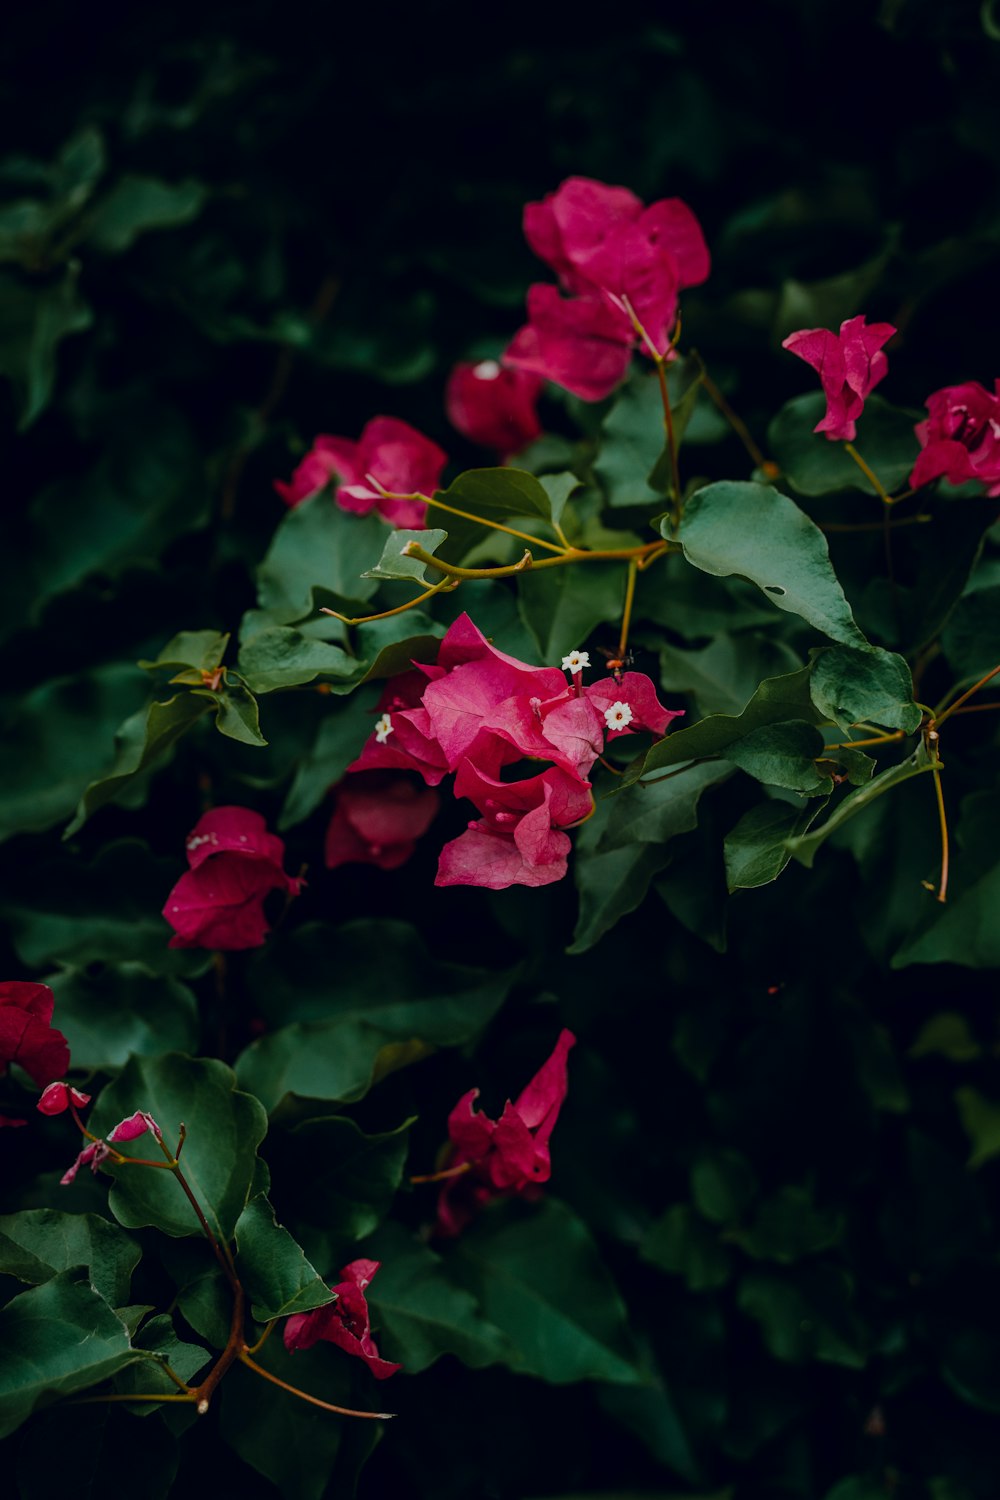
point(576, 661)
point(487, 369)
point(618, 716)
point(383, 729)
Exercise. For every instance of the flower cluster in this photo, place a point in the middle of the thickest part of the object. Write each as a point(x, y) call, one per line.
point(344, 1322)
point(476, 712)
point(621, 263)
point(960, 438)
point(504, 1157)
point(235, 863)
point(98, 1151)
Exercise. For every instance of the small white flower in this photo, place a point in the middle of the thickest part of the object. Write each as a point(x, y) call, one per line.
point(383, 729)
point(618, 716)
point(576, 661)
point(487, 369)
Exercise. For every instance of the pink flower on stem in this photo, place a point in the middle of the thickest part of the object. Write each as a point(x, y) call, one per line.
point(58, 1097)
point(850, 365)
point(235, 863)
point(91, 1156)
point(390, 452)
point(135, 1125)
point(960, 438)
point(345, 1322)
point(517, 840)
point(402, 739)
point(505, 1156)
point(494, 405)
point(617, 259)
point(377, 819)
point(629, 704)
point(26, 1036)
point(96, 1152)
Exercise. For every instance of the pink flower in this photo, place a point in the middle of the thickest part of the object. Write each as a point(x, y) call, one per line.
point(850, 366)
point(344, 1322)
point(9, 1121)
point(378, 818)
point(26, 1037)
point(635, 692)
point(494, 405)
point(398, 457)
point(516, 841)
point(509, 1155)
point(402, 738)
point(135, 1125)
point(235, 863)
point(583, 344)
point(58, 1097)
point(961, 437)
point(91, 1156)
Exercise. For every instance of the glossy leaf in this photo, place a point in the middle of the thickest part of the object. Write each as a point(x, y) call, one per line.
point(274, 1270)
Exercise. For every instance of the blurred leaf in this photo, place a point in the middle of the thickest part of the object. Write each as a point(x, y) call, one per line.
point(338, 742)
point(35, 319)
point(814, 465)
point(788, 1226)
point(946, 1035)
point(685, 1245)
point(806, 1316)
point(723, 1185)
point(981, 1122)
point(335, 1176)
point(123, 1009)
point(138, 204)
point(971, 640)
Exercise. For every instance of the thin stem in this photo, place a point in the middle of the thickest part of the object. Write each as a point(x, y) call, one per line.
point(668, 427)
point(976, 708)
point(343, 1411)
point(464, 1166)
point(528, 563)
point(609, 767)
point(181, 1384)
point(234, 1350)
point(940, 718)
point(482, 521)
point(942, 892)
point(627, 611)
point(869, 474)
point(93, 1400)
point(737, 423)
point(701, 761)
point(877, 739)
point(843, 526)
point(445, 586)
point(253, 1348)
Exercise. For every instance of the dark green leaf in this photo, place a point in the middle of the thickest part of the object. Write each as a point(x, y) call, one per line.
point(199, 650)
point(971, 640)
point(318, 550)
point(981, 1121)
point(655, 811)
point(755, 532)
point(137, 204)
point(808, 1315)
point(788, 1225)
point(783, 755)
point(723, 1185)
point(804, 846)
point(873, 687)
point(117, 1455)
point(815, 466)
point(561, 606)
point(275, 1273)
point(756, 850)
point(40, 1242)
point(683, 1244)
point(35, 319)
point(334, 1175)
point(279, 657)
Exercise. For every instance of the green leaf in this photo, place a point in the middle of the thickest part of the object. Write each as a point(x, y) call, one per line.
point(339, 740)
point(138, 204)
point(788, 1225)
point(396, 561)
point(143, 739)
point(723, 675)
point(946, 1035)
point(198, 650)
point(871, 686)
point(59, 740)
point(497, 495)
point(723, 1185)
point(279, 657)
point(656, 811)
point(306, 1453)
point(981, 1122)
point(236, 714)
point(632, 463)
point(684, 1245)
point(805, 846)
point(422, 1313)
point(756, 850)
point(783, 755)
point(755, 532)
point(611, 885)
point(55, 1340)
point(147, 1376)
point(273, 1269)
point(38, 1243)
point(775, 701)
point(392, 1005)
point(118, 1455)
point(224, 1129)
point(73, 911)
point(559, 487)
point(319, 552)
point(971, 640)
point(814, 465)
point(561, 606)
point(538, 1276)
point(858, 1487)
point(335, 1176)
point(806, 1315)
point(36, 317)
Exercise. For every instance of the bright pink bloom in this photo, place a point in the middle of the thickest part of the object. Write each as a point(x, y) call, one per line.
point(583, 344)
point(91, 1156)
point(850, 366)
point(377, 819)
point(235, 863)
point(961, 437)
point(516, 840)
point(395, 454)
point(344, 1322)
point(26, 1037)
point(58, 1097)
point(600, 239)
point(638, 692)
point(135, 1125)
point(509, 1155)
point(494, 405)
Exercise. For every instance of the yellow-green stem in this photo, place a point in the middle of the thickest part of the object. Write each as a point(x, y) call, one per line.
point(445, 586)
point(869, 474)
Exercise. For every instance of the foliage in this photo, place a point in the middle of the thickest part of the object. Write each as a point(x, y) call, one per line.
point(765, 1265)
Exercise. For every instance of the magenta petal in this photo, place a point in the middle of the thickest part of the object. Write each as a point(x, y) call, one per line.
point(581, 343)
point(26, 1037)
